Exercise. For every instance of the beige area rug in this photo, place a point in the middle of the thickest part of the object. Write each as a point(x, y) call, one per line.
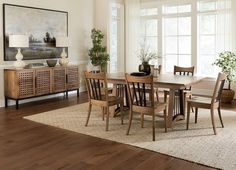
point(197, 144)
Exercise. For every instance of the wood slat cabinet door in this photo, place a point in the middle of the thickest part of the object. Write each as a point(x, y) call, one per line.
point(43, 81)
point(73, 81)
point(59, 79)
point(25, 83)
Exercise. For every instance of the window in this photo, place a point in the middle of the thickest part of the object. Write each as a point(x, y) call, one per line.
point(116, 38)
point(213, 34)
point(176, 37)
point(149, 29)
point(187, 33)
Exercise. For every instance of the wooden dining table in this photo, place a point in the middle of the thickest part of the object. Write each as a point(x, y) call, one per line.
point(168, 81)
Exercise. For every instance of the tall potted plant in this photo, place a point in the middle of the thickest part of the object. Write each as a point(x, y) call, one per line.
point(227, 62)
point(98, 53)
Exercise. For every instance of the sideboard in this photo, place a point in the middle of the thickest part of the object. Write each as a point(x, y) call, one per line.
point(22, 84)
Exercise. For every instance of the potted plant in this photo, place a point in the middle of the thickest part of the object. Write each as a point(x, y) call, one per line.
point(145, 56)
point(98, 53)
point(227, 62)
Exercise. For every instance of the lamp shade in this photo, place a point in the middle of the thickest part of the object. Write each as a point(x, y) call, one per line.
point(62, 42)
point(18, 40)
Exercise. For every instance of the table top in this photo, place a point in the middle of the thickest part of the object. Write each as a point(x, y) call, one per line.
point(163, 80)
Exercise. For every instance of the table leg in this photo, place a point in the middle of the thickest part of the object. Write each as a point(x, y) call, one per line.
point(171, 107)
point(181, 114)
point(114, 93)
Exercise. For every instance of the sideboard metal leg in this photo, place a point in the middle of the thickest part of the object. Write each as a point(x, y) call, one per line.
point(6, 102)
point(77, 92)
point(66, 94)
point(17, 104)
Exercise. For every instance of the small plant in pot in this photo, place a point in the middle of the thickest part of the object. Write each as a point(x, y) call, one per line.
point(227, 62)
point(145, 56)
point(98, 53)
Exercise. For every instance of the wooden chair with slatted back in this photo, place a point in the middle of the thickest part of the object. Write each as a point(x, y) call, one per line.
point(98, 95)
point(208, 103)
point(140, 103)
point(182, 71)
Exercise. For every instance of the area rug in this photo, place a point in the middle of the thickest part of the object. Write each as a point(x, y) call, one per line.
point(197, 144)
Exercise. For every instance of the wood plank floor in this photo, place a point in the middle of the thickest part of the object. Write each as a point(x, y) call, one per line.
point(26, 145)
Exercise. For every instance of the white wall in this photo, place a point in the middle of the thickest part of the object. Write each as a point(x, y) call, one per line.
point(81, 21)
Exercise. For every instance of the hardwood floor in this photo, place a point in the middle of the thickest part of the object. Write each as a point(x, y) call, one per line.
point(26, 145)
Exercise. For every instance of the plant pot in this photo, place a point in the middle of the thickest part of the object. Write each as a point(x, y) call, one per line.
point(145, 67)
point(227, 95)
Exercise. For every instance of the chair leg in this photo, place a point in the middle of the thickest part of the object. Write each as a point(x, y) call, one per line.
point(188, 115)
point(130, 120)
point(153, 127)
point(107, 119)
point(165, 96)
point(89, 112)
point(221, 121)
point(157, 96)
point(103, 113)
point(165, 119)
point(142, 120)
point(196, 114)
point(192, 109)
point(213, 121)
point(190, 96)
point(122, 112)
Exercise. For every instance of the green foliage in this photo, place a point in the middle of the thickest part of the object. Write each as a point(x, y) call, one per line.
point(227, 62)
point(98, 53)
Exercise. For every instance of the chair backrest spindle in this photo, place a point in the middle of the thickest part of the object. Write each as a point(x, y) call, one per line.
point(137, 90)
point(96, 83)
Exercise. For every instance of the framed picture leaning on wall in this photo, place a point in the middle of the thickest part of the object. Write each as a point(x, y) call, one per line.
point(41, 25)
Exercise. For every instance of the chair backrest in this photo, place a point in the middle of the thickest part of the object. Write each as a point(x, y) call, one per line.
point(137, 86)
point(218, 88)
point(155, 71)
point(96, 84)
point(185, 71)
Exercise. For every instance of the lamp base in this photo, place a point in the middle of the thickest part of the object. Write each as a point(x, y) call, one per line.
point(63, 61)
point(19, 64)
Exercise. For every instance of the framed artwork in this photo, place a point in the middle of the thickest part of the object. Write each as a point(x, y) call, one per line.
point(41, 25)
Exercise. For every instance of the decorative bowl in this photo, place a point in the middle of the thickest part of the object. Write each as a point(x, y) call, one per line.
point(51, 63)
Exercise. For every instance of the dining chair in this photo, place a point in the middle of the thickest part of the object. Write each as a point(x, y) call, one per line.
point(96, 84)
point(208, 103)
point(182, 71)
point(141, 103)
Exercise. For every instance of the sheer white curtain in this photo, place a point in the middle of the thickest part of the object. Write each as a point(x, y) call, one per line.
point(233, 37)
point(224, 26)
point(132, 16)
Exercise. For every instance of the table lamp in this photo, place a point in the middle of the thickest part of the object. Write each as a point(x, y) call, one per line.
point(63, 42)
point(19, 41)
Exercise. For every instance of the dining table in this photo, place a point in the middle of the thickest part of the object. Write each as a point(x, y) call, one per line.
point(175, 83)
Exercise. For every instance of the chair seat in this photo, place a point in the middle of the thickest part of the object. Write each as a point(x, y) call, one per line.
point(158, 107)
point(198, 99)
point(112, 100)
point(202, 102)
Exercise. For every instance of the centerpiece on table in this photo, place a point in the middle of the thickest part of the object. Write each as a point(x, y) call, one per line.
point(227, 62)
point(145, 55)
point(98, 53)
